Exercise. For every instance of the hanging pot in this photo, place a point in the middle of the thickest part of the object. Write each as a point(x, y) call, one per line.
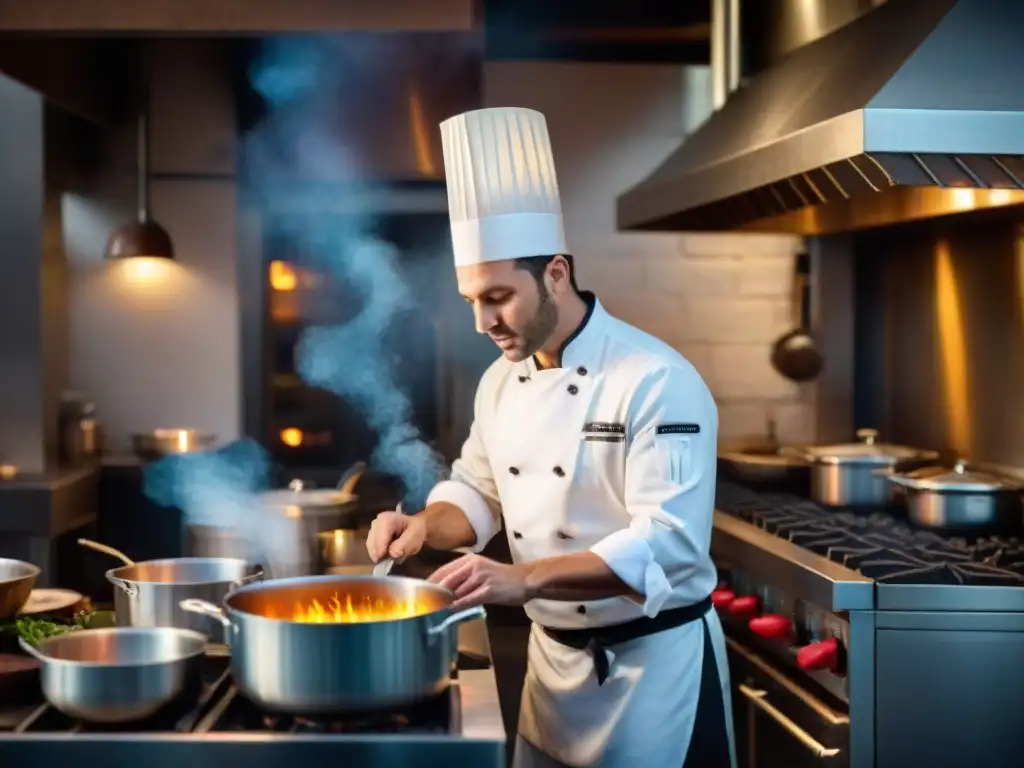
point(795, 355)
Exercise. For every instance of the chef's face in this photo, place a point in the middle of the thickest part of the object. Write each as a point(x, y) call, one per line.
point(518, 311)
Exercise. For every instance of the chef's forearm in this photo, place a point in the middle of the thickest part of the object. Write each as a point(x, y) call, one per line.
point(447, 526)
point(582, 576)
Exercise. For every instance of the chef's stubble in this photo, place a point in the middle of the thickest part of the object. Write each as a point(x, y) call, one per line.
point(539, 327)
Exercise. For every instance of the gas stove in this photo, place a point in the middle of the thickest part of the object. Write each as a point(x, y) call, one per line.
point(879, 544)
point(222, 725)
point(862, 635)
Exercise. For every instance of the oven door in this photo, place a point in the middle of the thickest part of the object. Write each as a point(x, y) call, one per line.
point(778, 722)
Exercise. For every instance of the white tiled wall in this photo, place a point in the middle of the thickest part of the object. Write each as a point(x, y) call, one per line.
point(721, 299)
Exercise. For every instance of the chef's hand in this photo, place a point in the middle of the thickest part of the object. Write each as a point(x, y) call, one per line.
point(476, 580)
point(396, 535)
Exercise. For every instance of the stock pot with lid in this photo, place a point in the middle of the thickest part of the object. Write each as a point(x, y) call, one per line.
point(847, 475)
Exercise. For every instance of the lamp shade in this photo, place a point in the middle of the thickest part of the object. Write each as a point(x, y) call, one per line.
point(140, 239)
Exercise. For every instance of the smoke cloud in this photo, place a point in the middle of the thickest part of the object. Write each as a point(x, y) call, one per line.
point(300, 82)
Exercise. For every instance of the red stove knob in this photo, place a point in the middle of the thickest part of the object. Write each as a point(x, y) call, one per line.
point(722, 597)
point(748, 606)
point(773, 626)
point(818, 656)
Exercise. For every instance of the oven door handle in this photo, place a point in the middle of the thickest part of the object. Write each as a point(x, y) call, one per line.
point(760, 700)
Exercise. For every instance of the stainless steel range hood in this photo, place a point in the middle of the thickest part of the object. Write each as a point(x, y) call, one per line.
point(911, 111)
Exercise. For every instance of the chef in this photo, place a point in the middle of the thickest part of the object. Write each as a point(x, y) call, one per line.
point(595, 445)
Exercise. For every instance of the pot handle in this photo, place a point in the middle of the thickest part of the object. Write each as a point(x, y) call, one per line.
point(792, 452)
point(476, 612)
point(130, 589)
point(32, 651)
point(195, 605)
point(256, 575)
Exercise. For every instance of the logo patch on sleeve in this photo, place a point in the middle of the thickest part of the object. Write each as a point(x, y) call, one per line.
point(604, 432)
point(677, 429)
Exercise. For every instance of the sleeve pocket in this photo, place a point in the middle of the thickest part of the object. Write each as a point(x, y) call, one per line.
point(675, 455)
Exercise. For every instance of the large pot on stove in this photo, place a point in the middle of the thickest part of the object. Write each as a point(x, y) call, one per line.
point(327, 645)
point(963, 498)
point(847, 475)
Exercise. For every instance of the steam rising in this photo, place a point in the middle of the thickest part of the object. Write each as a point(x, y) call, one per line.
point(301, 81)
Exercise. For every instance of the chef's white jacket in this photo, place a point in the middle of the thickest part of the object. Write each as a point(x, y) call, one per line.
point(614, 452)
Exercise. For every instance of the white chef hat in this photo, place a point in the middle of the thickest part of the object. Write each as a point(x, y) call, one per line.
point(502, 190)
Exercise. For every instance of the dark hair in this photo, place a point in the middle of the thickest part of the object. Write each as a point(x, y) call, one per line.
point(536, 265)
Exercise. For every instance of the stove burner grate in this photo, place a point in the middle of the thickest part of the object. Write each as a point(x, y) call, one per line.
point(879, 544)
point(436, 715)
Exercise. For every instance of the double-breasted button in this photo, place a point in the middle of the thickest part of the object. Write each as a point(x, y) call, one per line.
point(523, 379)
point(581, 609)
point(581, 371)
point(559, 471)
point(563, 535)
point(513, 471)
point(516, 535)
point(572, 389)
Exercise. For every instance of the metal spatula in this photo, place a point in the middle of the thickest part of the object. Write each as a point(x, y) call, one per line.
point(383, 568)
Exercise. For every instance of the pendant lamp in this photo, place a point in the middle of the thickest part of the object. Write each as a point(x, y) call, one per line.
point(142, 237)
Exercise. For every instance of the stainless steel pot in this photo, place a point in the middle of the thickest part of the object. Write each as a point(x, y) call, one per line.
point(119, 675)
point(960, 498)
point(306, 668)
point(343, 552)
point(319, 513)
point(847, 475)
point(148, 594)
point(316, 509)
point(150, 446)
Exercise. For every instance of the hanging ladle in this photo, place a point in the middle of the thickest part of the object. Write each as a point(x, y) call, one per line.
point(795, 354)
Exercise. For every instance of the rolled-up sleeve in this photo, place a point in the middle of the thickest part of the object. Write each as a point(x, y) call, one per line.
point(669, 486)
point(471, 487)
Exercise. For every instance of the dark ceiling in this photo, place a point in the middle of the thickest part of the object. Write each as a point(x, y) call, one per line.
point(642, 31)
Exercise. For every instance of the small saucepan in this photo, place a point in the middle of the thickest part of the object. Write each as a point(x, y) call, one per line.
point(960, 498)
point(148, 594)
point(119, 675)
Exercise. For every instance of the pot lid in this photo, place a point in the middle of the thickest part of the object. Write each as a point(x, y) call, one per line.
point(296, 499)
point(867, 451)
point(959, 478)
point(755, 458)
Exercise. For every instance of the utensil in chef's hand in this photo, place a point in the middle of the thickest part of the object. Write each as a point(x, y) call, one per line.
point(795, 354)
point(116, 553)
point(384, 565)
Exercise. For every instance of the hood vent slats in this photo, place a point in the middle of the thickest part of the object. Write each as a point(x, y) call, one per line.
point(911, 111)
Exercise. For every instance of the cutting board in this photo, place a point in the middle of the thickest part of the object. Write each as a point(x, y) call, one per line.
point(54, 602)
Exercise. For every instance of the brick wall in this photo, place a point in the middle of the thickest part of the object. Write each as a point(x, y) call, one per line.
point(720, 299)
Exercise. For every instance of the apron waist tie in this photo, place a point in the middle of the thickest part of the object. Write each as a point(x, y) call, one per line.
point(597, 639)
